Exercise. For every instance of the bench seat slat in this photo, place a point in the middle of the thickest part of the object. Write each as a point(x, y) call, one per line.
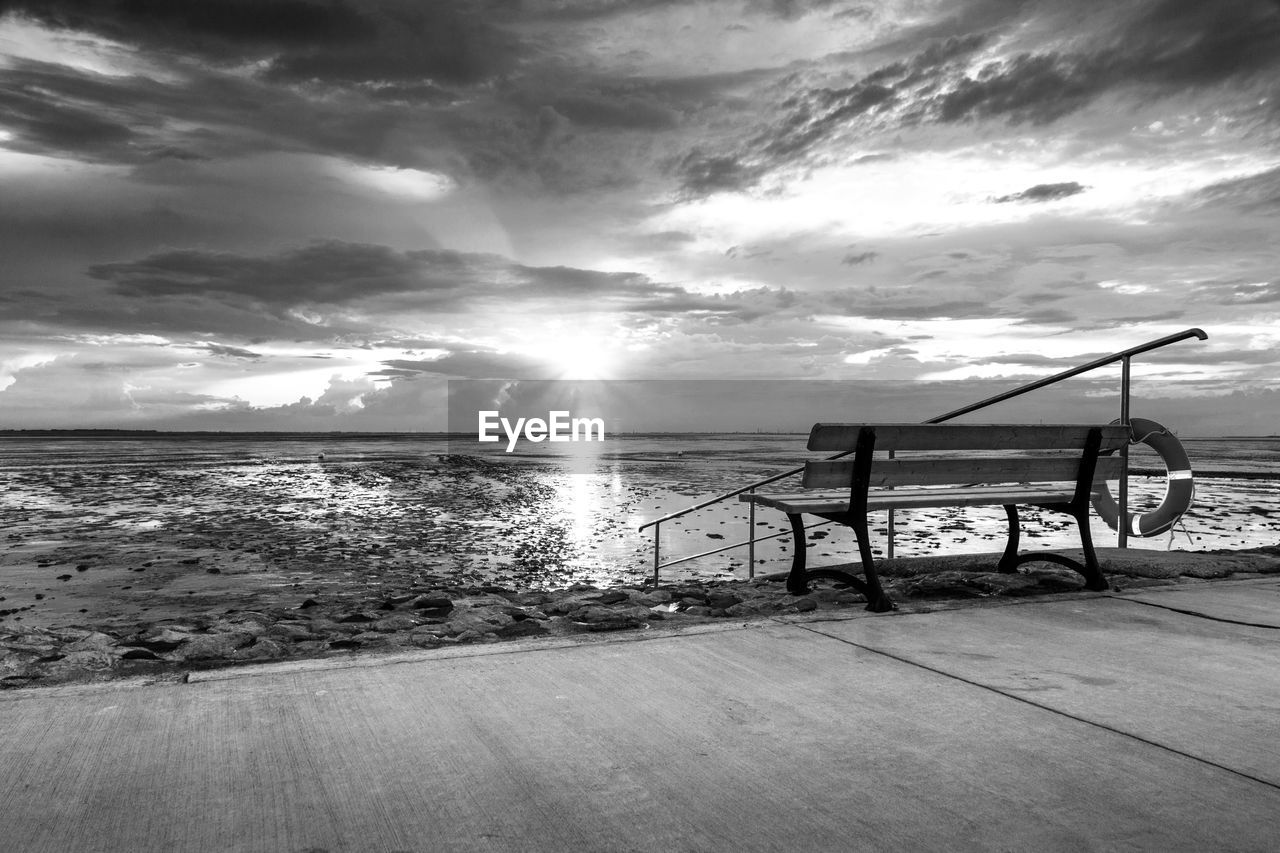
point(838, 501)
point(836, 437)
point(938, 472)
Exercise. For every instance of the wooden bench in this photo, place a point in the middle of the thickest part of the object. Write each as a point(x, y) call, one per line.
point(1056, 467)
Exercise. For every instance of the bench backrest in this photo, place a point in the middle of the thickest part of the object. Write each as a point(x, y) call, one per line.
point(1037, 453)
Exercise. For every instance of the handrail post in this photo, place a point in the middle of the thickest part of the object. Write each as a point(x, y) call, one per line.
point(751, 537)
point(889, 530)
point(1122, 517)
point(656, 558)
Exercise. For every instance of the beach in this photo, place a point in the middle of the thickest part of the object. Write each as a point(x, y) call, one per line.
point(154, 557)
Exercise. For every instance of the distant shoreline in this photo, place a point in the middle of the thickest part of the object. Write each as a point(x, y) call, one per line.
point(233, 434)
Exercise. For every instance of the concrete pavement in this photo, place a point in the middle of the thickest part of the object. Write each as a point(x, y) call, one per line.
point(1147, 720)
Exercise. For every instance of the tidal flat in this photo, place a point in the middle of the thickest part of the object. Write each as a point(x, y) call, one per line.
point(159, 556)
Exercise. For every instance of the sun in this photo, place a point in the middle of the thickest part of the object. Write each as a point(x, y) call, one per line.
point(570, 355)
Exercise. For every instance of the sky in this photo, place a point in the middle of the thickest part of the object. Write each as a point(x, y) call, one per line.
point(312, 214)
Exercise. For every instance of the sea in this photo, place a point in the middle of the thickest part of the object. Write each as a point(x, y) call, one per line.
point(544, 515)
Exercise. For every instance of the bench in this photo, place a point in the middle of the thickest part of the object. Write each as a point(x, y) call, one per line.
point(1056, 467)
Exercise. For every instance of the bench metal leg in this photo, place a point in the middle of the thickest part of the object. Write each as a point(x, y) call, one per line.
point(799, 577)
point(877, 601)
point(1093, 577)
point(1009, 559)
point(1089, 569)
point(797, 580)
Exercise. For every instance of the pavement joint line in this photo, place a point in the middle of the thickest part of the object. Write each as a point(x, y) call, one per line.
point(1121, 732)
point(1192, 613)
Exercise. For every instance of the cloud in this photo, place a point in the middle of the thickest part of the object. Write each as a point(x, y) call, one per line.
point(1043, 192)
point(328, 272)
point(702, 174)
point(1163, 48)
point(470, 364)
point(232, 352)
point(298, 40)
point(336, 276)
point(1259, 192)
point(1242, 293)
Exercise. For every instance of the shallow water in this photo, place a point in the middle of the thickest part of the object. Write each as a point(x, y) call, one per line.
point(380, 506)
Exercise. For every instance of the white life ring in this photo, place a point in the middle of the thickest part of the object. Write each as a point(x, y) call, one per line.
point(1179, 489)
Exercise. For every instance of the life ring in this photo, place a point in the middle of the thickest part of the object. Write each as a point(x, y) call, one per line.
point(1179, 488)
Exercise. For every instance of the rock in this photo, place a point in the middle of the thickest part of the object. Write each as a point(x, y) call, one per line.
point(652, 598)
point(432, 605)
point(613, 596)
point(94, 660)
point(805, 605)
point(697, 610)
point(722, 600)
point(1057, 579)
point(595, 617)
point(559, 608)
point(391, 624)
point(523, 628)
point(291, 631)
point(424, 639)
point(155, 646)
point(969, 584)
point(245, 625)
point(464, 622)
point(95, 641)
point(262, 649)
point(213, 646)
point(343, 645)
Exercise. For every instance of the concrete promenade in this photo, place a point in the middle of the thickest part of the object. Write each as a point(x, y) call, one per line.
point(1147, 720)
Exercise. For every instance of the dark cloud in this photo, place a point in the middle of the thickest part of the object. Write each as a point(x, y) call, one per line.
point(333, 41)
point(702, 174)
point(334, 276)
point(58, 110)
point(1035, 88)
point(1184, 42)
point(232, 352)
point(469, 364)
point(330, 272)
point(616, 110)
point(220, 27)
point(854, 259)
point(819, 113)
point(1260, 192)
point(1164, 48)
point(1157, 49)
point(907, 303)
point(1043, 192)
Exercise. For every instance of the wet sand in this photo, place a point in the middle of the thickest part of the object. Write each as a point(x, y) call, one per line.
point(147, 567)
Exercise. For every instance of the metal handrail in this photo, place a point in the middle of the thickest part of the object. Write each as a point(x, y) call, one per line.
point(1075, 371)
point(1124, 356)
point(999, 398)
